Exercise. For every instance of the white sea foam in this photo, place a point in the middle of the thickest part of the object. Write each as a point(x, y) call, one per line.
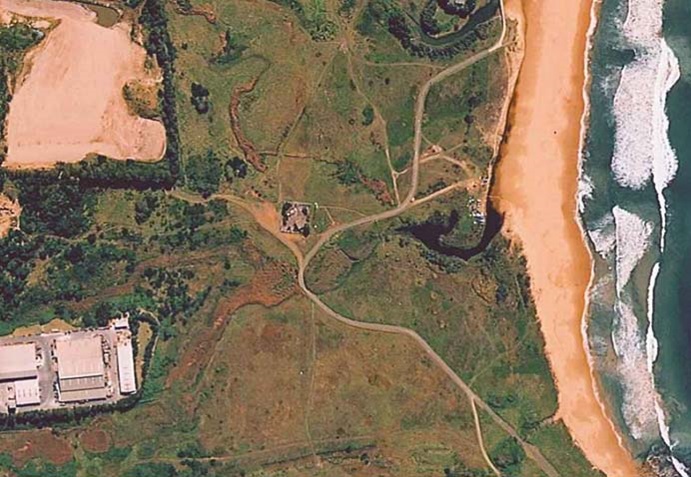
point(652, 345)
point(641, 146)
point(585, 187)
point(603, 235)
point(632, 240)
point(652, 348)
point(639, 394)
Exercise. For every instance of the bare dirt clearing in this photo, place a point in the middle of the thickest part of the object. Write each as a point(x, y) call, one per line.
point(69, 99)
point(9, 214)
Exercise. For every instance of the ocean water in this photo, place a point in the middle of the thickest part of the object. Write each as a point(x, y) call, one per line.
point(635, 207)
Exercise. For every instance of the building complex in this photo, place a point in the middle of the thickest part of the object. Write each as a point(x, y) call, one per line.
point(53, 370)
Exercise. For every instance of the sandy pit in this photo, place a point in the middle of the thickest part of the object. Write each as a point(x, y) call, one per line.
point(536, 188)
point(68, 101)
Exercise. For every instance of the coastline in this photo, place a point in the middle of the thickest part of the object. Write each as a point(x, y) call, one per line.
point(537, 182)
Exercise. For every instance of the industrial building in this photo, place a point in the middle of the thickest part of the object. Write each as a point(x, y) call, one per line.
point(67, 369)
point(81, 369)
point(19, 376)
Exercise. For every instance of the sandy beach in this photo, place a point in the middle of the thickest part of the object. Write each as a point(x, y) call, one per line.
point(68, 101)
point(536, 187)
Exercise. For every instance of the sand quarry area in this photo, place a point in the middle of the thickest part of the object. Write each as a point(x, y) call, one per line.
point(536, 186)
point(68, 100)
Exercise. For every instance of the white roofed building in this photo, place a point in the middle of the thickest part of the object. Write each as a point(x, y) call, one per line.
point(126, 373)
point(18, 362)
point(19, 375)
point(27, 392)
point(81, 370)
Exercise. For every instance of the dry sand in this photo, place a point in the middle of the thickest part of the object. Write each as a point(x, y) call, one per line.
point(68, 102)
point(536, 187)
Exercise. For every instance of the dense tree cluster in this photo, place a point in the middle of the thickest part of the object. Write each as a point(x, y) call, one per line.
point(171, 292)
point(17, 252)
point(203, 173)
point(508, 456)
point(428, 21)
point(18, 37)
point(235, 168)
point(367, 115)
point(232, 49)
point(60, 208)
point(158, 43)
point(5, 98)
point(200, 98)
point(145, 206)
point(388, 14)
point(348, 172)
point(315, 19)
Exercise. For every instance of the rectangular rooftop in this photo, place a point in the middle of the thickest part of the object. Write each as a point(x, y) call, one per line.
point(18, 361)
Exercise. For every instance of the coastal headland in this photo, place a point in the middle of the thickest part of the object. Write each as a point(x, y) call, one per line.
point(537, 180)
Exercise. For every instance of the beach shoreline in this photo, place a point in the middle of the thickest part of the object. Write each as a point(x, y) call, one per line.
point(536, 189)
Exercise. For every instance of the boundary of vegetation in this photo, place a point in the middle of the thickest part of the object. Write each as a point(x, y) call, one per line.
point(75, 415)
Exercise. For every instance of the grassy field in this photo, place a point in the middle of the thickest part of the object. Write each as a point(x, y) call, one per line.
point(477, 315)
point(331, 126)
point(305, 100)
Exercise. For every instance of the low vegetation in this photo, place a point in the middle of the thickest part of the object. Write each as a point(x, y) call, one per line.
point(248, 377)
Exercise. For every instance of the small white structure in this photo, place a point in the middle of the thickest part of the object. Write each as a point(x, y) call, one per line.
point(27, 392)
point(126, 374)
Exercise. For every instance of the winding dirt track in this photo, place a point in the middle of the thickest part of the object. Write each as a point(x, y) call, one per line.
point(409, 201)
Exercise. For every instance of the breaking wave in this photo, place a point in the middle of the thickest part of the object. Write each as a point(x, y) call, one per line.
point(632, 241)
point(642, 152)
point(641, 145)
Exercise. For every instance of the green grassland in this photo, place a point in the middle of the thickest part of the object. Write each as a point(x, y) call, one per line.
point(248, 377)
point(477, 315)
point(318, 98)
point(460, 110)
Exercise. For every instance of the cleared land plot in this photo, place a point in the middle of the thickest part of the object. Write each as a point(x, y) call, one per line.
point(69, 99)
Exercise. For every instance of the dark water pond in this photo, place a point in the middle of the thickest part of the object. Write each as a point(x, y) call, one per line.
point(105, 16)
point(432, 234)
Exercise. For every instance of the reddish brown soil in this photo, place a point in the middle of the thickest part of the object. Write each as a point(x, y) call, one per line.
point(95, 440)
point(24, 446)
point(248, 148)
point(206, 11)
point(380, 189)
point(273, 283)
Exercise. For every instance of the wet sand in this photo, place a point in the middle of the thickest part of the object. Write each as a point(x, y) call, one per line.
point(536, 188)
point(68, 101)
